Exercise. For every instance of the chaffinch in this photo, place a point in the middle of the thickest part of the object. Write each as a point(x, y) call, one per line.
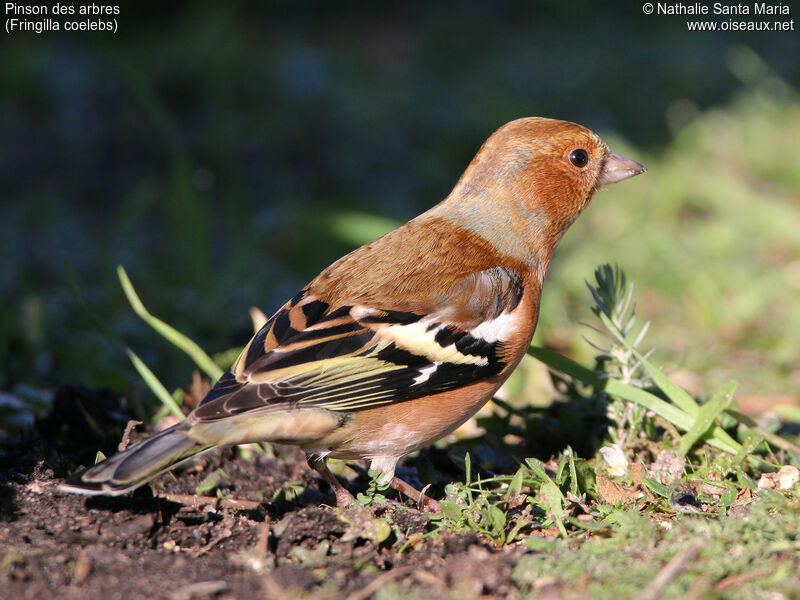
point(401, 341)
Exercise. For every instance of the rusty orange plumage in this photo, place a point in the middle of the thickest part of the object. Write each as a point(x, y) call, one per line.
point(398, 343)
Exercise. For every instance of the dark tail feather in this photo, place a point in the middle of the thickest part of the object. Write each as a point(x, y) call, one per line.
point(135, 466)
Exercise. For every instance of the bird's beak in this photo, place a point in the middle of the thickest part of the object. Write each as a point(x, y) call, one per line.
point(616, 168)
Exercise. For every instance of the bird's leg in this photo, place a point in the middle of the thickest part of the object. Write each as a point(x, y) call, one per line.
point(426, 502)
point(319, 464)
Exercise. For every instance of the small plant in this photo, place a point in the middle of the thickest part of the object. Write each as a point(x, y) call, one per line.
point(505, 509)
point(374, 493)
point(634, 388)
point(289, 491)
point(214, 482)
point(613, 298)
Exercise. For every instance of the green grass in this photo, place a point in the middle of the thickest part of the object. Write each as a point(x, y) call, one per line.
point(763, 548)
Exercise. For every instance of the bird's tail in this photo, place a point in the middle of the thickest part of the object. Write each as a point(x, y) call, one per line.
point(137, 465)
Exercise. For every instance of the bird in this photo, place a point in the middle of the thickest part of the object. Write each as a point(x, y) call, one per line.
point(398, 343)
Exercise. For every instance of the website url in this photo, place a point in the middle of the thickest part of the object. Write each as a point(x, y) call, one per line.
point(740, 25)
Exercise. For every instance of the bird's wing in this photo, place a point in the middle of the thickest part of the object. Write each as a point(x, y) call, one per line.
point(348, 358)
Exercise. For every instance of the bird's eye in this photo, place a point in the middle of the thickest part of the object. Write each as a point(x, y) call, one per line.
point(579, 157)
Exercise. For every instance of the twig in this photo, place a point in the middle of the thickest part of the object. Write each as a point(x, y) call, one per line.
point(263, 537)
point(428, 578)
point(210, 545)
point(201, 588)
point(381, 580)
point(672, 569)
point(739, 579)
point(126, 437)
point(220, 534)
point(193, 501)
point(83, 567)
point(420, 498)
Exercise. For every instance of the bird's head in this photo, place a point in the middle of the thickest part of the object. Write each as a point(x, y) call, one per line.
point(530, 180)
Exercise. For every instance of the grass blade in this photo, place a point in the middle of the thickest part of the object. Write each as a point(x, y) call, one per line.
point(154, 384)
point(789, 412)
point(555, 499)
point(706, 416)
point(614, 387)
point(679, 397)
point(172, 335)
point(772, 438)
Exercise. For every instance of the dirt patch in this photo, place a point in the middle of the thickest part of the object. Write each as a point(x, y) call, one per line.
point(145, 546)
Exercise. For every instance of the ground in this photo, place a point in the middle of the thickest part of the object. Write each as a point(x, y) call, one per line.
point(249, 522)
point(147, 546)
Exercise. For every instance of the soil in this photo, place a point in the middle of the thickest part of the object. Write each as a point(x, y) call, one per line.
point(146, 546)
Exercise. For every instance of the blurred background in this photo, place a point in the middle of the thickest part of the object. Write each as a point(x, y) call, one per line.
point(224, 153)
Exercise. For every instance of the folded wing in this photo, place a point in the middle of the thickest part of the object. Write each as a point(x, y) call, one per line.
point(348, 358)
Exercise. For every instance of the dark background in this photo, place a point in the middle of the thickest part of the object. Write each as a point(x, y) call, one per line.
point(216, 149)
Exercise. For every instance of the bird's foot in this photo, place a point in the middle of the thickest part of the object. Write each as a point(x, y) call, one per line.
point(344, 498)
